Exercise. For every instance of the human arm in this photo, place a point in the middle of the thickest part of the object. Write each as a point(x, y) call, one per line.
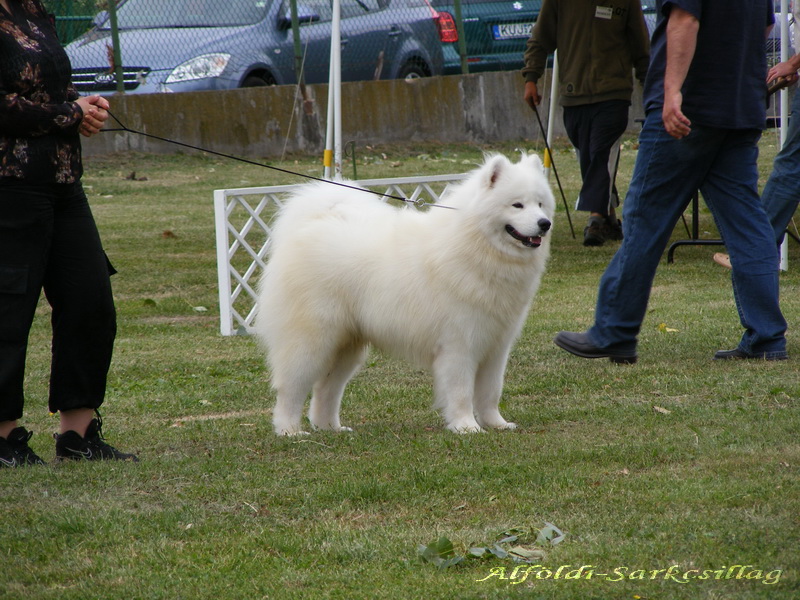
point(682, 28)
point(540, 44)
point(22, 117)
point(638, 38)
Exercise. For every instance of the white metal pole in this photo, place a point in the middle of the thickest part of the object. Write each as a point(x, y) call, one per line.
point(785, 108)
point(336, 60)
point(548, 160)
point(223, 264)
point(333, 143)
point(327, 158)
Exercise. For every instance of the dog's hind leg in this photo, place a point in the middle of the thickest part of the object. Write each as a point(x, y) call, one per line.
point(294, 372)
point(327, 397)
point(454, 387)
point(488, 389)
point(288, 412)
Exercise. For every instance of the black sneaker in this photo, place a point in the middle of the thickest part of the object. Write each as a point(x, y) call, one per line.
point(594, 234)
point(14, 450)
point(71, 446)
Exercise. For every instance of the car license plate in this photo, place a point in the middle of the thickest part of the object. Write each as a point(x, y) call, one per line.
point(511, 31)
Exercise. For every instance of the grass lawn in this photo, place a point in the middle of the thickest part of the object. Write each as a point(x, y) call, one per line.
point(675, 478)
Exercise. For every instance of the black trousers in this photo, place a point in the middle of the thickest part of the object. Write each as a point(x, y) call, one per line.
point(49, 241)
point(594, 129)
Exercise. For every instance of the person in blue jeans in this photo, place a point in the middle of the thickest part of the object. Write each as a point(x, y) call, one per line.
point(701, 131)
point(781, 196)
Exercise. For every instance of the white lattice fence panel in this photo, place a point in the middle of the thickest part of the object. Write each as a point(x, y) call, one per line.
point(243, 216)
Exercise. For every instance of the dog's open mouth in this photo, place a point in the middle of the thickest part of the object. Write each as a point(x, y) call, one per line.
point(527, 240)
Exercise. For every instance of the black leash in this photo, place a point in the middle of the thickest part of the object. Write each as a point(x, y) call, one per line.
point(555, 171)
point(123, 127)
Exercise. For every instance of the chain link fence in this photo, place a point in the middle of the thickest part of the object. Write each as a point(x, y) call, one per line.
point(73, 17)
point(176, 45)
point(181, 45)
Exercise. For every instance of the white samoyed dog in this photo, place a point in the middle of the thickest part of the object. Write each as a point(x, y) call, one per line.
point(447, 290)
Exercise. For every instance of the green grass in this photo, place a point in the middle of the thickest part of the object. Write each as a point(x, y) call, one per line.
point(676, 461)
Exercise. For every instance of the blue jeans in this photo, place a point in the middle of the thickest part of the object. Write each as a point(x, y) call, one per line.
point(721, 163)
point(782, 192)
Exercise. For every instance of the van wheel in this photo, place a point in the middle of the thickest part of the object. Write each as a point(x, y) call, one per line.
point(413, 70)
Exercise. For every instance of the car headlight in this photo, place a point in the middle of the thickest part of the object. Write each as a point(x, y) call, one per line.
point(200, 67)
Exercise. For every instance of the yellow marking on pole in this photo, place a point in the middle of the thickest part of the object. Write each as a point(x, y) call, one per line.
point(327, 158)
point(547, 162)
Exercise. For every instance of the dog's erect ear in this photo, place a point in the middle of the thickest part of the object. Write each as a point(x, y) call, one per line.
point(493, 168)
point(532, 161)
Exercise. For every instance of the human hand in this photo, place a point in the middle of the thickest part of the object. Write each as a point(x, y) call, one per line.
point(784, 69)
point(675, 122)
point(532, 96)
point(95, 113)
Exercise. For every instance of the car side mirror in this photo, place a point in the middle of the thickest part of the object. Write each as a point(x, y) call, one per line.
point(304, 15)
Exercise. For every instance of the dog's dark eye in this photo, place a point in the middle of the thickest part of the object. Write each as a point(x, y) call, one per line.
point(518, 205)
point(540, 205)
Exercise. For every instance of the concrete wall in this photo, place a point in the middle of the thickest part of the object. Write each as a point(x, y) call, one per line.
point(268, 121)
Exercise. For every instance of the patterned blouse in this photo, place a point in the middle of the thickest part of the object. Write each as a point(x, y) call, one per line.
point(39, 120)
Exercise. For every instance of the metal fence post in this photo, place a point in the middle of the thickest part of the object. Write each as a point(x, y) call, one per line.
point(462, 42)
point(118, 72)
point(298, 49)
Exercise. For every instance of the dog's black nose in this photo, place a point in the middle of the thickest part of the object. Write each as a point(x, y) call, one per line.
point(544, 224)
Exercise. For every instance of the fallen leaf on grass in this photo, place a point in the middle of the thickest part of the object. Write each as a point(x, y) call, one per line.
point(550, 533)
point(526, 554)
point(439, 553)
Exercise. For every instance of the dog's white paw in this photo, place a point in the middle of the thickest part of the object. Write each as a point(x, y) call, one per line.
point(340, 429)
point(465, 427)
point(292, 433)
point(508, 425)
point(494, 420)
point(336, 429)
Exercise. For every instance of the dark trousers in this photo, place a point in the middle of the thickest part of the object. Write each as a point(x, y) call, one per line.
point(594, 129)
point(49, 241)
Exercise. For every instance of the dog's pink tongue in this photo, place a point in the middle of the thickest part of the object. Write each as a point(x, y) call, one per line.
point(537, 241)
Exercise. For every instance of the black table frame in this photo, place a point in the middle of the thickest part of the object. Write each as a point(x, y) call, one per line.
point(694, 236)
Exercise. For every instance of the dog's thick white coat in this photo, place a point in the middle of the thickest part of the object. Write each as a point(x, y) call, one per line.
point(447, 290)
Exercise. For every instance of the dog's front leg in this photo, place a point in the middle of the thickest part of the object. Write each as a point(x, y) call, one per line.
point(454, 388)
